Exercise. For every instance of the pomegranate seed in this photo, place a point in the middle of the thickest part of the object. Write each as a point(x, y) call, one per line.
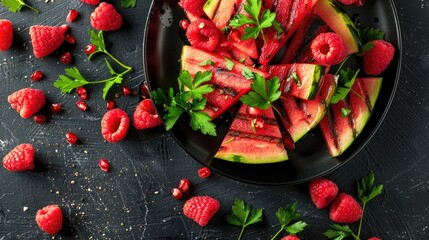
point(184, 185)
point(111, 105)
point(82, 93)
point(72, 16)
point(56, 108)
point(177, 194)
point(70, 38)
point(91, 48)
point(66, 58)
point(104, 165)
point(126, 90)
point(204, 172)
point(259, 122)
point(81, 104)
point(144, 91)
point(71, 138)
point(39, 119)
point(37, 75)
point(254, 111)
point(184, 23)
point(64, 27)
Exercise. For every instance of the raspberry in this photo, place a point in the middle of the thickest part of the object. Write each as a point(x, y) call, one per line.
point(323, 192)
point(358, 3)
point(145, 115)
point(290, 237)
point(114, 125)
point(6, 34)
point(27, 101)
point(21, 158)
point(46, 39)
point(194, 7)
point(91, 2)
point(374, 238)
point(376, 60)
point(203, 34)
point(328, 48)
point(345, 209)
point(201, 209)
point(106, 18)
point(50, 219)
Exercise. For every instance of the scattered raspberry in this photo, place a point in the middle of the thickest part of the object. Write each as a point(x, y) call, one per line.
point(106, 18)
point(201, 209)
point(323, 192)
point(21, 158)
point(329, 48)
point(290, 237)
point(91, 2)
point(194, 7)
point(345, 209)
point(114, 125)
point(50, 219)
point(46, 39)
point(6, 34)
point(27, 101)
point(376, 60)
point(374, 238)
point(145, 115)
point(203, 34)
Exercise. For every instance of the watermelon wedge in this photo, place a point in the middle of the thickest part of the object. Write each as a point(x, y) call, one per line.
point(340, 131)
point(229, 85)
point(245, 143)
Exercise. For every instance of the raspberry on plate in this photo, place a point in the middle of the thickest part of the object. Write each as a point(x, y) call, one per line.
point(345, 209)
point(6, 34)
point(27, 101)
point(376, 60)
point(114, 125)
point(358, 3)
point(201, 209)
point(145, 115)
point(329, 48)
point(203, 34)
point(50, 219)
point(46, 39)
point(91, 2)
point(21, 158)
point(106, 18)
point(290, 237)
point(374, 238)
point(322, 192)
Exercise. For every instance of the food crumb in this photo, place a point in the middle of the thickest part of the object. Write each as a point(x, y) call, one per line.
point(25, 209)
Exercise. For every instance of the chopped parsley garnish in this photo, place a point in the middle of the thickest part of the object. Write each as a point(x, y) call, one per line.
point(346, 79)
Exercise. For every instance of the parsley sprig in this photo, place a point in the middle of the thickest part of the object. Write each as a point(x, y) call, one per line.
point(288, 218)
point(346, 79)
point(367, 35)
point(128, 3)
point(243, 215)
point(256, 24)
point(74, 79)
point(17, 5)
point(263, 92)
point(189, 99)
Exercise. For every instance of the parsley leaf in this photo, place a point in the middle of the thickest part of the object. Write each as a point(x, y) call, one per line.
point(206, 63)
point(346, 79)
point(229, 64)
point(367, 35)
point(345, 112)
point(255, 23)
point(366, 189)
point(73, 79)
point(243, 215)
point(339, 232)
point(295, 77)
point(17, 5)
point(247, 73)
point(128, 3)
point(288, 218)
point(263, 92)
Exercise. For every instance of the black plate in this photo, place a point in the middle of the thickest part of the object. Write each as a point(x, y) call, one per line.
point(162, 47)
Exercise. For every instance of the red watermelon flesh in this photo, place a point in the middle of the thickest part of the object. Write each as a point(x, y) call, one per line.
point(246, 144)
point(224, 13)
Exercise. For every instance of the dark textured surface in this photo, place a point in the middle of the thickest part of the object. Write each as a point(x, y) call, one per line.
point(133, 201)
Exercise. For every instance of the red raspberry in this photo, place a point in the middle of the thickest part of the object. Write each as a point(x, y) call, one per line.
point(345, 209)
point(329, 48)
point(374, 238)
point(194, 7)
point(114, 125)
point(323, 192)
point(201, 209)
point(146, 116)
point(21, 158)
point(376, 60)
point(358, 3)
point(50, 219)
point(6, 34)
point(106, 18)
point(46, 39)
point(27, 101)
point(91, 2)
point(203, 34)
point(290, 237)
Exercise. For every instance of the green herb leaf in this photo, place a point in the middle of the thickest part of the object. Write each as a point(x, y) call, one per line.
point(206, 63)
point(263, 92)
point(173, 114)
point(243, 215)
point(338, 232)
point(288, 218)
point(229, 64)
point(97, 39)
point(367, 35)
point(345, 112)
point(346, 79)
point(296, 227)
point(72, 80)
point(366, 189)
point(295, 77)
point(202, 121)
point(109, 84)
point(128, 3)
point(247, 73)
point(17, 5)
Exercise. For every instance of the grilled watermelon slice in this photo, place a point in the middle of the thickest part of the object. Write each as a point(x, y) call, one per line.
point(245, 143)
point(340, 131)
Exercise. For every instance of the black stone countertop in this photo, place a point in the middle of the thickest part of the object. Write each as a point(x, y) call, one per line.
point(133, 200)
